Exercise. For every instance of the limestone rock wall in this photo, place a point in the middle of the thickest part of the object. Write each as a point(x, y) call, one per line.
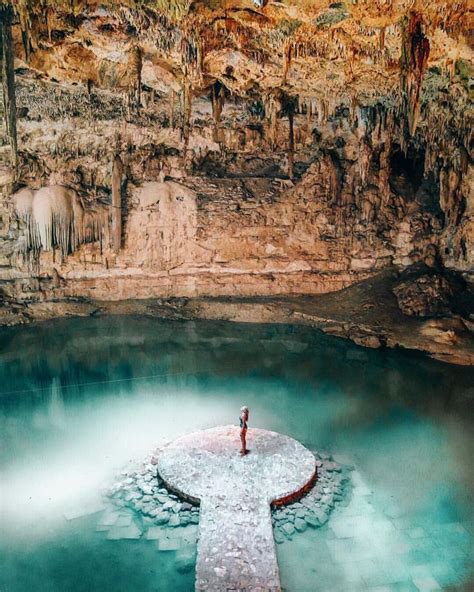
point(252, 234)
point(294, 148)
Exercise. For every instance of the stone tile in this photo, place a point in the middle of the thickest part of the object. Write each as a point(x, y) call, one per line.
point(359, 484)
point(381, 527)
point(350, 551)
point(459, 552)
point(187, 551)
point(189, 533)
point(416, 533)
point(416, 557)
point(375, 579)
point(385, 575)
point(368, 527)
point(102, 528)
point(371, 573)
point(186, 558)
point(352, 573)
point(154, 533)
point(124, 532)
point(420, 572)
point(398, 546)
point(426, 584)
point(359, 506)
point(394, 570)
point(108, 519)
point(343, 588)
point(366, 567)
point(451, 534)
point(443, 573)
point(173, 533)
point(468, 526)
point(407, 522)
point(124, 520)
point(406, 586)
point(168, 544)
point(426, 545)
point(361, 526)
point(83, 510)
point(393, 511)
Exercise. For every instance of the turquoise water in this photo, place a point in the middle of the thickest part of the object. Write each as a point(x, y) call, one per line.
point(79, 398)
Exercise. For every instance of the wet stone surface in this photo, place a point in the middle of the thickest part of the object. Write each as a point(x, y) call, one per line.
point(140, 505)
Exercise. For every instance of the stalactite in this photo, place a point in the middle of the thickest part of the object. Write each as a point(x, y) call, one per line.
point(191, 52)
point(272, 108)
point(217, 102)
point(23, 9)
point(309, 120)
point(364, 163)
point(96, 226)
point(289, 104)
point(382, 39)
point(450, 202)
point(384, 170)
point(8, 80)
point(323, 112)
point(49, 13)
point(291, 144)
point(23, 207)
point(117, 172)
point(186, 111)
point(334, 181)
point(288, 56)
point(174, 9)
point(135, 64)
point(413, 62)
point(55, 218)
point(172, 100)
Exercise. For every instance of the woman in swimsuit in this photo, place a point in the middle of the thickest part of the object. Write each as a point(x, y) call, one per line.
point(244, 417)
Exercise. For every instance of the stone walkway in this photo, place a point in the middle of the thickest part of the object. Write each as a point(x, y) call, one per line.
point(236, 549)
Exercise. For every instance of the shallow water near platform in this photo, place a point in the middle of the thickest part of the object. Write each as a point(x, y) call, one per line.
point(79, 398)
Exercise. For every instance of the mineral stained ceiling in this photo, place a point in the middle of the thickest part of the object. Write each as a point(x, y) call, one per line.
point(355, 52)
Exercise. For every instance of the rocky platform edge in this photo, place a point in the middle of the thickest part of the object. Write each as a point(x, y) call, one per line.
point(137, 491)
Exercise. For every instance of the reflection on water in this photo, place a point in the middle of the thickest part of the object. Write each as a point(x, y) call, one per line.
point(79, 398)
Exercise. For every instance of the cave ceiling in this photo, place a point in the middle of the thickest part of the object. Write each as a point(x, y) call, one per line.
point(350, 53)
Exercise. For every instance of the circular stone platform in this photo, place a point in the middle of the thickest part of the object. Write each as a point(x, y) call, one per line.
point(236, 548)
point(207, 463)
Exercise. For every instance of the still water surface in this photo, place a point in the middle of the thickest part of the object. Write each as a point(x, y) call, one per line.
point(79, 398)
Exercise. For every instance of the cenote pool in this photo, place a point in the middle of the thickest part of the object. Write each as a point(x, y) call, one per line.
point(79, 398)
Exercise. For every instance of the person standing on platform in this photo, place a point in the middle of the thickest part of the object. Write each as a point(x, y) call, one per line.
point(244, 417)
